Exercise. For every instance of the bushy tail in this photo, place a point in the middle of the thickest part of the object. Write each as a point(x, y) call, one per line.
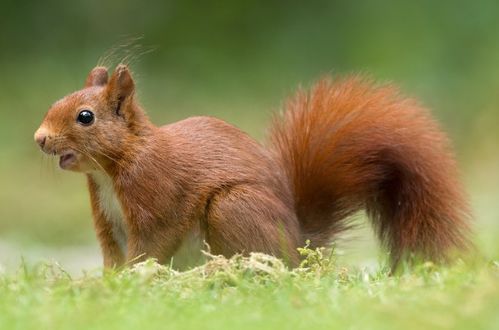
point(349, 145)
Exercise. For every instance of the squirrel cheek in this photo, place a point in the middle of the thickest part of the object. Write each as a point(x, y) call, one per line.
point(85, 164)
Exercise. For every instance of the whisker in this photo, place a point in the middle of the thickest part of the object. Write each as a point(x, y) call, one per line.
point(91, 157)
point(107, 156)
point(84, 149)
point(102, 153)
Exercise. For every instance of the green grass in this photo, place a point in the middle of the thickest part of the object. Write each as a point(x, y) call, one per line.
point(257, 292)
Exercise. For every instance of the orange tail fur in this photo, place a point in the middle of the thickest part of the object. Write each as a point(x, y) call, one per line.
point(349, 145)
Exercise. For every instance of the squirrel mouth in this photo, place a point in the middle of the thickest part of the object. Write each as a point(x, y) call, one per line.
point(67, 159)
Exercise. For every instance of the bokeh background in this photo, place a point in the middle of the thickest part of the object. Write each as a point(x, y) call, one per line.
point(236, 60)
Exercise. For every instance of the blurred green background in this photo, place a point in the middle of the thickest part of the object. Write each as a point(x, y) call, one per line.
point(236, 60)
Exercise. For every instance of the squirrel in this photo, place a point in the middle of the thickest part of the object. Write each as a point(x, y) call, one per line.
point(346, 145)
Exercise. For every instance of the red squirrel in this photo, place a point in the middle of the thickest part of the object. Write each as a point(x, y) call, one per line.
point(344, 146)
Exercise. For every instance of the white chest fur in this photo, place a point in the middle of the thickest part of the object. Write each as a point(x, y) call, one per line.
point(110, 205)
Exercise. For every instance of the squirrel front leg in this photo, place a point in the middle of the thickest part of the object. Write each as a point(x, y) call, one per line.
point(112, 254)
point(153, 238)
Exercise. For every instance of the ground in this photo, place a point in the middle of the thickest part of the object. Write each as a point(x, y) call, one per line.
point(257, 292)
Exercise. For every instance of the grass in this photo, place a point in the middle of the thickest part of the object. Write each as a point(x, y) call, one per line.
point(255, 292)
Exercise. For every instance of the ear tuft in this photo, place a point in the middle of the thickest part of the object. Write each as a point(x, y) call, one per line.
point(97, 77)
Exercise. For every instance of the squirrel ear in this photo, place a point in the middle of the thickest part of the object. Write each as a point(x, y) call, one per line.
point(120, 85)
point(97, 77)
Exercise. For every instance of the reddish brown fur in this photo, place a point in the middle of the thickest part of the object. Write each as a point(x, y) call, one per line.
point(345, 146)
point(350, 145)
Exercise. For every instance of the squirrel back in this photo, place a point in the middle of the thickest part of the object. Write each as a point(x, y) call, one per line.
point(345, 146)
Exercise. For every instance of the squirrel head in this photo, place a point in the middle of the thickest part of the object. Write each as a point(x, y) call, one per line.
point(95, 126)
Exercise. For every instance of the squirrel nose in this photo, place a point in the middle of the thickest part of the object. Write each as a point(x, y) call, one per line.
point(41, 137)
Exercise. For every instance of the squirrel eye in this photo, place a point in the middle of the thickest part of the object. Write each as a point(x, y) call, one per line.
point(85, 117)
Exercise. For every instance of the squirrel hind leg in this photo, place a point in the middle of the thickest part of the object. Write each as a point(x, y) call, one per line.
point(244, 219)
